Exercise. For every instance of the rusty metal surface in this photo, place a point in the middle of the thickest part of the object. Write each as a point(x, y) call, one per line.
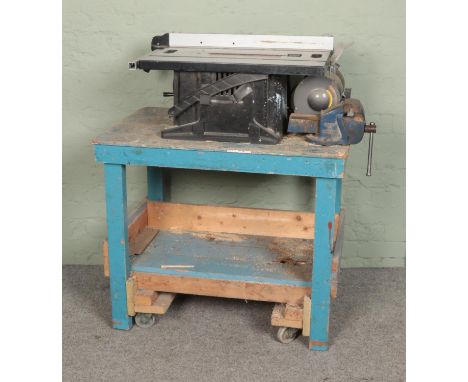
point(143, 129)
point(304, 123)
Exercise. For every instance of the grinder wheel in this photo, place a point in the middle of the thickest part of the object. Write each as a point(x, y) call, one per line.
point(314, 94)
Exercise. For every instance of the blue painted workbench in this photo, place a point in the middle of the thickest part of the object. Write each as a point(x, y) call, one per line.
point(243, 261)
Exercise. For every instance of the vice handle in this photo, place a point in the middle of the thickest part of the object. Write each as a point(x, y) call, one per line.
point(371, 128)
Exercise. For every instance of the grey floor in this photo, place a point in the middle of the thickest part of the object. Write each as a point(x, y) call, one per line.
point(209, 339)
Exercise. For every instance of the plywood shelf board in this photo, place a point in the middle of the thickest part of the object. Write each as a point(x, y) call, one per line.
point(273, 260)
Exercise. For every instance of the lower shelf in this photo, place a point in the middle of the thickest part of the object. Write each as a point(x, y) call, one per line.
point(226, 265)
point(228, 257)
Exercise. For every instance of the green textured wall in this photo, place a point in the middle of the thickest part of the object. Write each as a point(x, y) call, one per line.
point(100, 37)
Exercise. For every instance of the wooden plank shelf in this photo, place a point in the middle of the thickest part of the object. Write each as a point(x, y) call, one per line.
point(226, 265)
point(228, 257)
point(273, 263)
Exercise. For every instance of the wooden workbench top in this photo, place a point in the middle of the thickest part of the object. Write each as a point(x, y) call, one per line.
point(143, 129)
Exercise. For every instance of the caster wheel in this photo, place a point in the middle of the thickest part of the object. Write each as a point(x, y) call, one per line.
point(287, 335)
point(145, 320)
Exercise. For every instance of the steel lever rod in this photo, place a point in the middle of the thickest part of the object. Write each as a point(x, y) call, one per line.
point(371, 129)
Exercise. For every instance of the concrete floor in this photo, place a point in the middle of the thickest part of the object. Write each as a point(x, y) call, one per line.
point(209, 339)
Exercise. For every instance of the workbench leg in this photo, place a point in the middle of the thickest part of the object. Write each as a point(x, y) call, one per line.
point(325, 204)
point(117, 236)
point(156, 183)
point(339, 183)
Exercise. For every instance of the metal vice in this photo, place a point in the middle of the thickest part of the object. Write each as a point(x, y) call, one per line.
point(343, 124)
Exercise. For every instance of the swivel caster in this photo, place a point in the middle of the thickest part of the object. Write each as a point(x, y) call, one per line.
point(287, 335)
point(145, 320)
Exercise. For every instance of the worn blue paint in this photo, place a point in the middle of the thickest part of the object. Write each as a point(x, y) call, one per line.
point(117, 236)
point(222, 161)
point(155, 180)
point(250, 258)
point(321, 348)
point(325, 204)
point(339, 185)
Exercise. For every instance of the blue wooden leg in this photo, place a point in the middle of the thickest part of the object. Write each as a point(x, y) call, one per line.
point(325, 204)
point(117, 236)
point(339, 183)
point(155, 178)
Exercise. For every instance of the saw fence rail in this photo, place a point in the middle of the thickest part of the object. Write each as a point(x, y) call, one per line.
point(289, 258)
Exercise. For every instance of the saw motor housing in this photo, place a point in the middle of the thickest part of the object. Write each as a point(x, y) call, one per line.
point(251, 108)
